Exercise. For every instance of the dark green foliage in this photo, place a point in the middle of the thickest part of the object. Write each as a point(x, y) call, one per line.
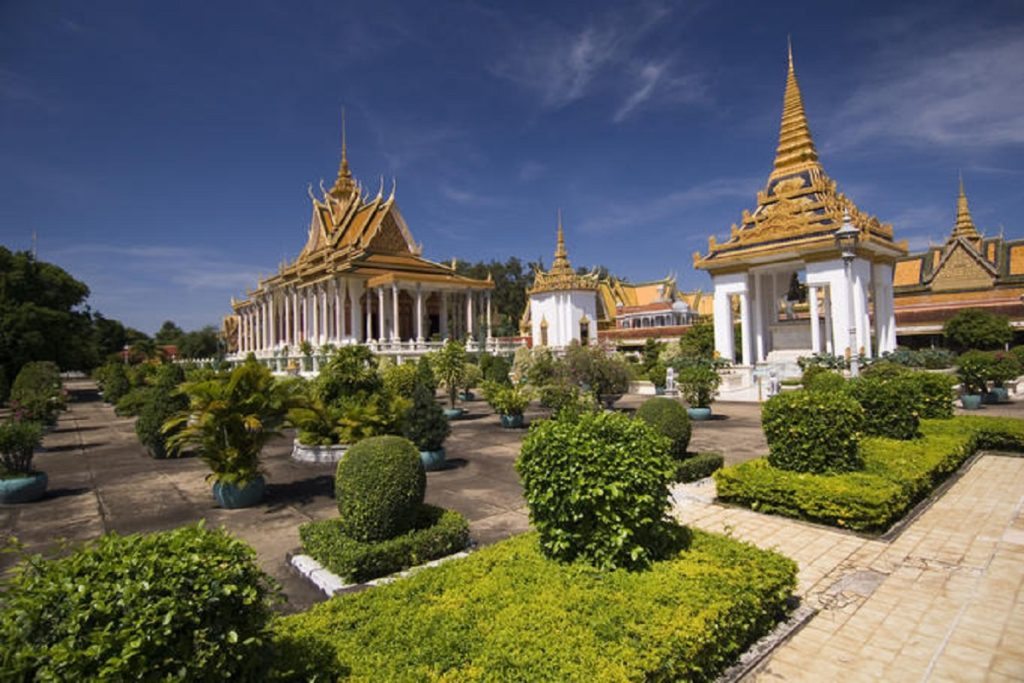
point(1005, 368)
point(699, 466)
point(18, 441)
point(188, 604)
point(132, 403)
point(896, 475)
point(425, 424)
point(931, 359)
point(511, 280)
point(974, 369)
point(699, 340)
point(597, 488)
point(813, 431)
point(650, 353)
point(302, 659)
point(5, 386)
point(670, 419)
point(164, 401)
point(974, 328)
point(201, 343)
point(698, 383)
point(890, 405)
point(379, 486)
point(557, 395)
point(114, 382)
point(935, 394)
point(495, 368)
point(350, 371)
point(436, 532)
point(449, 366)
point(592, 368)
point(819, 378)
point(37, 391)
point(508, 613)
point(658, 374)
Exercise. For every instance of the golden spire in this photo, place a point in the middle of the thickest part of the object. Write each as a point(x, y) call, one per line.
point(964, 223)
point(796, 148)
point(344, 185)
point(561, 276)
point(560, 253)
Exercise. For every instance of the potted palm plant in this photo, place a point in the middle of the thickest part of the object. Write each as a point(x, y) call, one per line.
point(19, 483)
point(698, 384)
point(229, 420)
point(321, 429)
point(509, 401)
point(449, 366)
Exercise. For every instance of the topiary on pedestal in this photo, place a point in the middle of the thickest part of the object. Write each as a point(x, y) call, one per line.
point(813, 431)
point(670, 419)
point(379, 486)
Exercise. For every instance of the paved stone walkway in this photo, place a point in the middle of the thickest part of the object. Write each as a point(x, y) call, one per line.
point(944, 601)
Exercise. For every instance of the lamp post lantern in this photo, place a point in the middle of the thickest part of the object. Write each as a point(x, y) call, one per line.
point(846, 240)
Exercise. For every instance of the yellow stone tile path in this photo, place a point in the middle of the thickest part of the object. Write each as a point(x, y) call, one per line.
point(943, 601)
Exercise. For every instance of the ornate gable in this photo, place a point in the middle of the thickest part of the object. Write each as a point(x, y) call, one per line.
point(962, 268)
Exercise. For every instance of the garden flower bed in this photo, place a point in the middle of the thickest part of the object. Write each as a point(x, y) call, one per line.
point(896, 475)
point(508, 613)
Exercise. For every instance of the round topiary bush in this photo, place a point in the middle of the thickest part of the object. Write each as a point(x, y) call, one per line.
point(670, 419)
point(597, 485)
point(188, 604)
point(813, 431)
point(379, 486)
point(821, 379)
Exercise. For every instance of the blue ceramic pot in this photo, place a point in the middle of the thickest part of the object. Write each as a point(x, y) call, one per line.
point(512, 421)
point(467, 396)
point(659, 391)
point(970, 401)
point(233, 496)
point(432, 460)
point(23, 489)
point(453, 413)
point(699, 414)
point(1000, 394)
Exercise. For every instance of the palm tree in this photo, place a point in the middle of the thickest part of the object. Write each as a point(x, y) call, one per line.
point(231, 418)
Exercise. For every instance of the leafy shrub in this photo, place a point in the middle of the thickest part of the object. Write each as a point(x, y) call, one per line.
point(114, 382)
point(379, 486)
point(350, 371)
point(132, 403)
point(471, 377)
point(699, 466)
point(161, 406)
point(495, 368)
point(896, 475)
point(670, 419)
point(186, 604)
point(558, 394)
point(5, 386)
point(890, 405)
point(930, 358)
point(449, 364)
point(18, 441)
point(1005, 368)
point(885, 370)
point(597, 488)
point(974, 328)
point(37, 391)
point(399, 380)
point(827, 361)
point(508, 613)
point(435, 533)
point(935, 394)
point(817, 378)
point(812, 431)
point(658, 374)
point(305, 659)
point(508, 399)
point(593, 368)
point(698, 384)
point(425, 424)
point(699, 340)
point(974, 368)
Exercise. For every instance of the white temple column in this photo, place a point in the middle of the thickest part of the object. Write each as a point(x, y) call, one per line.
point(487, 321)
point(273, 322)
point(286, 331)
point(469, 314)
point(812, 303)
point(243, 325)
point(723, 325)
point(885, 318)
point(324, 320)
point(745, 337)
point(395, 332)
point(337, 310)
point(830, 342)
point(758, 317)
point(444, 314)
point(369, 316)
point(381, 336)
point(419, 313)
point(355, 312)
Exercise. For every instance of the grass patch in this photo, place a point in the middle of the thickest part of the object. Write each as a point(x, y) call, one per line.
point(437, 532)
point(507, 613)
point(896, 475)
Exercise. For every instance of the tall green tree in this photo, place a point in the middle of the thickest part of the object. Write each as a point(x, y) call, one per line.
point(169, 334)
point(43, 315)
point(973, 328)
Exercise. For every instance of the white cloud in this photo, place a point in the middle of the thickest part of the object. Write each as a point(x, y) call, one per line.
point(531, 170)
point(964, 91)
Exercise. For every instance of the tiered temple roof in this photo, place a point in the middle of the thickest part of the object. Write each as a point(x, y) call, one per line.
point(800, 208)
point(352, 232)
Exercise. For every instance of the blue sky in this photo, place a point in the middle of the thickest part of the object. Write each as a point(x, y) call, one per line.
point(162, 151)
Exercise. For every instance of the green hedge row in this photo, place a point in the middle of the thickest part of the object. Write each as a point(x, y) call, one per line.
point(436, 533)
point(896, 475)
point(506, 613)
point(698, 466)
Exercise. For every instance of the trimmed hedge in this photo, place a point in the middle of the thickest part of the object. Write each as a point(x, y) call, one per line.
point(699, 466)
point(506, 613)
point(379, 486)
point(597, 485)
point(890, 405)
point(813, 431)
point(436, 533)
point(670, 419)
point(896, 475)
point(188, 604)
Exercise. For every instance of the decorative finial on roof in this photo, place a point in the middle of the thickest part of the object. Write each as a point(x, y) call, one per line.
point(560, 252)
point(796, 147)
point(964, 223)
point(344, 185)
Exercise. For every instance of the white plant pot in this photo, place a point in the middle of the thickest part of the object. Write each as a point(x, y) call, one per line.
point(318, 454)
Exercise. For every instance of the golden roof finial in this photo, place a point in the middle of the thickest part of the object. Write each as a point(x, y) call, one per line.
point(344, 185)
point(796, 147)
point(561, 276)
point(560, 252)
point(964, 223)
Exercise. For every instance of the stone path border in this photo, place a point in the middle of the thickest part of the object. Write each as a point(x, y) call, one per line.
point(330, 584)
